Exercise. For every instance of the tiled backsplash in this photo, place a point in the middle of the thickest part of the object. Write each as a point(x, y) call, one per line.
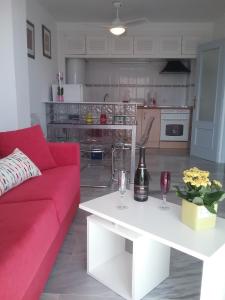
point(137, 81)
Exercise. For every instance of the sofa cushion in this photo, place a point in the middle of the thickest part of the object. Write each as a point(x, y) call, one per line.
point(32, 142)
point(59, 184)
point(65, 153)
point(27, 230)
point(15, 169)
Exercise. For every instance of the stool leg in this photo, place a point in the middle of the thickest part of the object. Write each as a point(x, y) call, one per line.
point(112, 163)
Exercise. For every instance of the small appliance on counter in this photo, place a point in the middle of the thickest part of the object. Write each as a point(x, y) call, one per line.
point(71, 92)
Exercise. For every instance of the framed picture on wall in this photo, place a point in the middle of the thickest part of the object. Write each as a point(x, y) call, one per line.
point(30, 40)
point(46, 41)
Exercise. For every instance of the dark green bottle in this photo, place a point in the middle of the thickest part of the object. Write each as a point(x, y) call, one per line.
point(141, 179)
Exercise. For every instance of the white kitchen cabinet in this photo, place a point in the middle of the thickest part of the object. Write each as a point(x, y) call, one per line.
point(97, 45)
point(170, 46)
point(156, 46)
point(190, 44)
point(74, 44)
point(121, 45)
point(145, 45)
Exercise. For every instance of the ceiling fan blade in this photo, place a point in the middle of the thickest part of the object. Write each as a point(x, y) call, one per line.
point(135, 22)
point(103, 25)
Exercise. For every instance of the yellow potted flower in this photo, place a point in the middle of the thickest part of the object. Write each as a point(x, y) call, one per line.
point(200, 198)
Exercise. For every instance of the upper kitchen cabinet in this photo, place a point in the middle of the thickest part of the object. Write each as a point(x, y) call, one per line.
point(154, 45)
point(74, 44)
point(190, 44)
point(145, 45)
point(97, 45)
point(169, 46)
point(122, 45)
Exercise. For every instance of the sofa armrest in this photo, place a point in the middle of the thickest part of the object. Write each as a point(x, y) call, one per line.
point(65, 153)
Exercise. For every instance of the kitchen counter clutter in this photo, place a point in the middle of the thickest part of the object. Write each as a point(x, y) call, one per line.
point(63, 117)
point(91, 113)
point(171, 127)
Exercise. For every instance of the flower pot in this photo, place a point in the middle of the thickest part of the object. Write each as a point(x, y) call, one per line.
point(197, 216)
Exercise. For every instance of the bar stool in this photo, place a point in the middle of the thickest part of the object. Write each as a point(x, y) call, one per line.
point(95, 153)
point(126, 146)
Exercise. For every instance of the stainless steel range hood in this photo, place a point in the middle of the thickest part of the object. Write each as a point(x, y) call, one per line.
point(175, 66)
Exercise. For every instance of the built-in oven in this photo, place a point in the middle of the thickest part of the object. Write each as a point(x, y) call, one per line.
point(175, 124)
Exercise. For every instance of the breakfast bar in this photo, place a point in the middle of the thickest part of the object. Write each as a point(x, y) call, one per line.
point(66, 120)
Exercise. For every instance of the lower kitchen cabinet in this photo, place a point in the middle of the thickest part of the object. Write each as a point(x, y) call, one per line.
point(142, 116)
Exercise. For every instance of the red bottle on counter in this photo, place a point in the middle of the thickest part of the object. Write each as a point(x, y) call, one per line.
point(103, 118)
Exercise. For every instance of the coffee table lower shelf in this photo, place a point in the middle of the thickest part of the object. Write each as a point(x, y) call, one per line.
point(129, 263)
point(116, 274)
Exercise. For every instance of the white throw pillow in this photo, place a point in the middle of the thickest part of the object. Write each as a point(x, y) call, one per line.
point(15, 169)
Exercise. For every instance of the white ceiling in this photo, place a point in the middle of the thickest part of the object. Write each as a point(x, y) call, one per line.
point(154, 10)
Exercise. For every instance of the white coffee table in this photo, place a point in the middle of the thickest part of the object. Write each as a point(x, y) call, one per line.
point(152, 232)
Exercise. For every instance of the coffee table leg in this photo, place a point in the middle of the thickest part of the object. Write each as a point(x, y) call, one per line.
point(213, 277)
point(151, 263)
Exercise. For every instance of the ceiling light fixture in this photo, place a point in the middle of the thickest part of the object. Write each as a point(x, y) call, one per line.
point(117, 30)
point(117, 27)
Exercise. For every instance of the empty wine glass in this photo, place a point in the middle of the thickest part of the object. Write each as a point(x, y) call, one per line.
point(122, 183)
point(165, 186)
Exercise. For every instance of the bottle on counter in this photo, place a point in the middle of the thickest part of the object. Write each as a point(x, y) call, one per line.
point(103, 116)
point(126, 97)
point(89, 118)
point(60, 90)
point(141, 179)
point(154, 100)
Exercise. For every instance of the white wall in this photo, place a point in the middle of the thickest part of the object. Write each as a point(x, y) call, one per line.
point(14, 104)
point(42, 70)
point(219, 29)
point(148, 28)
point(21, 64)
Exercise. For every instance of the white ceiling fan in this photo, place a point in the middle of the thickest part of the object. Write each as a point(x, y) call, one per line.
point(118, 27)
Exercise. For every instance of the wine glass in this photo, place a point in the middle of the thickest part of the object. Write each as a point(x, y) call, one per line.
point(165, 186)
point(122, 183)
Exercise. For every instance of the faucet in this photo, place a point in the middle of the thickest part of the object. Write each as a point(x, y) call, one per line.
point(106, 96)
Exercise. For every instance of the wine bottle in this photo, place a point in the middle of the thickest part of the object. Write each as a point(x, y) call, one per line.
point(61, 94)
point(58, 93)
point(141, 179)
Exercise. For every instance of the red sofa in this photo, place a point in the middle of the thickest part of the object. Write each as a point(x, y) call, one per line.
point(34, 218)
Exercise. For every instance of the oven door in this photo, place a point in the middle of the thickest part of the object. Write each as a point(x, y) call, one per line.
point(174, 130)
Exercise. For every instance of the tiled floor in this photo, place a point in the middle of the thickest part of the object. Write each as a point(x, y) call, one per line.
point(69, 280)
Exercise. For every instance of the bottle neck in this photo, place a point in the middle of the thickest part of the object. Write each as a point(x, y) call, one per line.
point(142, 158)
